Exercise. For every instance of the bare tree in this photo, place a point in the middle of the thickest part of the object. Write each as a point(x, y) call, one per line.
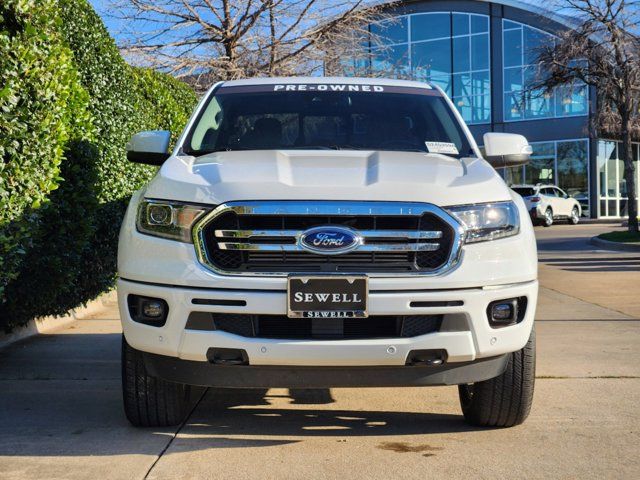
point(603, 51)
point(228, 39)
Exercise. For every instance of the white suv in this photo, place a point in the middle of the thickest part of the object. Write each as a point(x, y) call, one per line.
point(327, 232)
point(547, 203)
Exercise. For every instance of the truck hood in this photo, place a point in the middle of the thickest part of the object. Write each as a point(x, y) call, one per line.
point(327, 175)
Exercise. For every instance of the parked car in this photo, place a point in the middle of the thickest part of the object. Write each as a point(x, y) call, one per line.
point(547, 203)
point(327, 232)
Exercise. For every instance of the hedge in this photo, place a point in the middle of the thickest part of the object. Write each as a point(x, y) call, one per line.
point(67, 250)
point(41, 102)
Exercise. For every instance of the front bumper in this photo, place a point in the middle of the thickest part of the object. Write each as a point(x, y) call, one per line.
point(209, 375)
point(467, 338)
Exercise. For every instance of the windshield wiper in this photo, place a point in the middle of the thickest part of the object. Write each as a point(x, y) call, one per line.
point(200, 153)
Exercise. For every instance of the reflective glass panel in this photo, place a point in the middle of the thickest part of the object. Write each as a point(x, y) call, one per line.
point(433, 58)
point(460, 24)
point(540, 168)
point(513, 106)
point(462, 54)
point(391, 31)
point(571, 100)
point(538, 104)
point(534, 42)
point(462, 84)
point(450, 50)
point(513, 175)
point(522, 46)
point(480, 83)
point(479, 24)
point(513, 48)
point(394, 61)
point(573, 164)
point(480, 52)
point(430, 26)
point(513, 79)
point(605, 149)
point(622, 182)
point(481, 108)
point(612, 163)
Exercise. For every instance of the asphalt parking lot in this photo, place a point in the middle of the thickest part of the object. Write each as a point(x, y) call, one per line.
point(61, 414)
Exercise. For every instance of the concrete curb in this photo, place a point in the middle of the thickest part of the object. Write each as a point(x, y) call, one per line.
point(599, 221)
point(619, 246)
point(51, 324)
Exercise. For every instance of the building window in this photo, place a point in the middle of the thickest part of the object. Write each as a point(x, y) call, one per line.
point(521, 46)
point(612, 187)
point(451, 50)
point(541, 167)
point(564, 163)
point(573, 169)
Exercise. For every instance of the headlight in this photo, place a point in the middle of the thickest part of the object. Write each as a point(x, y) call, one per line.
point(487, 221)
point(168, 219)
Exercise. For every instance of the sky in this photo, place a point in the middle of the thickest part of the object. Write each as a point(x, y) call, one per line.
point(118, 29)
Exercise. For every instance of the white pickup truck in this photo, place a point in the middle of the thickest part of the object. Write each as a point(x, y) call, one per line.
point(327, 232)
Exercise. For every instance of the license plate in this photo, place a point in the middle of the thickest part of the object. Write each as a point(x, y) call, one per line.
point(328, 297)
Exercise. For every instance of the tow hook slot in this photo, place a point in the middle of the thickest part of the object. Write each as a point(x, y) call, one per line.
point(431, 358)
point(227, 356)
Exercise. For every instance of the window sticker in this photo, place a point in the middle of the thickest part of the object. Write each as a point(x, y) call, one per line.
point(442, 147)
point(321, 87)
point(328, 87)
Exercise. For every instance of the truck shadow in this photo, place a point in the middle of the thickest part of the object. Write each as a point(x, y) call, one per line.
point(61, 396)
point(241, 412)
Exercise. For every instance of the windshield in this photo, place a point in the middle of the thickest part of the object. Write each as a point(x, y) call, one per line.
point(524, 191)
point(264, 117)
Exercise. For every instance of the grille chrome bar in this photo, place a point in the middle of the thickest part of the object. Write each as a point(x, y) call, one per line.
point(361, 216)
point(412, 235)
point(384, 247)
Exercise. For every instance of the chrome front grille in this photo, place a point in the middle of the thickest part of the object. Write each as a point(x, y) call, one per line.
point(264, 238)
point(286, 240)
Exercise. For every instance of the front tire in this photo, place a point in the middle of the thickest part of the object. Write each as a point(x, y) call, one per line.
point(503, 401)
point(574, 218)
point(150, 401)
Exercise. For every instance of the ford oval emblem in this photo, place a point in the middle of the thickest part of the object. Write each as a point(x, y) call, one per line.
point(330, 240)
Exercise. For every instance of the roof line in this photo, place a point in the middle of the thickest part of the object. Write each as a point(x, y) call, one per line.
point(543, 12)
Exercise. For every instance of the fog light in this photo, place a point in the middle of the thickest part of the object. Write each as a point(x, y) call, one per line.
point(147, 310)
point(152, 308)
point(506, 312)
point(503, 312)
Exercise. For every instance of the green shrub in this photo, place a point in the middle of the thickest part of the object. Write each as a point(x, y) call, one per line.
point(68, 250)
point(62, 241)
point(110, 83)
point(41, 102)
point(623, 236)
point(166, 102)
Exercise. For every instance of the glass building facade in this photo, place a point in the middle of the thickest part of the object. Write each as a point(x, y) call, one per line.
point(483, 54)
point(448, 49)
point(521, 46)
point(564, 163)
point(612, 187)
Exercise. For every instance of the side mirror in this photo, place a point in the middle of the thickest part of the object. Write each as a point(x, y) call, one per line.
point(151, 148)
point(506, 149)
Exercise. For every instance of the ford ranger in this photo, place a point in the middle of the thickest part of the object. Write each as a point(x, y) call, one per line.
point(327, 232)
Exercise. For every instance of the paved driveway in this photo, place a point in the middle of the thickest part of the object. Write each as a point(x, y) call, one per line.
point(61, 416)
